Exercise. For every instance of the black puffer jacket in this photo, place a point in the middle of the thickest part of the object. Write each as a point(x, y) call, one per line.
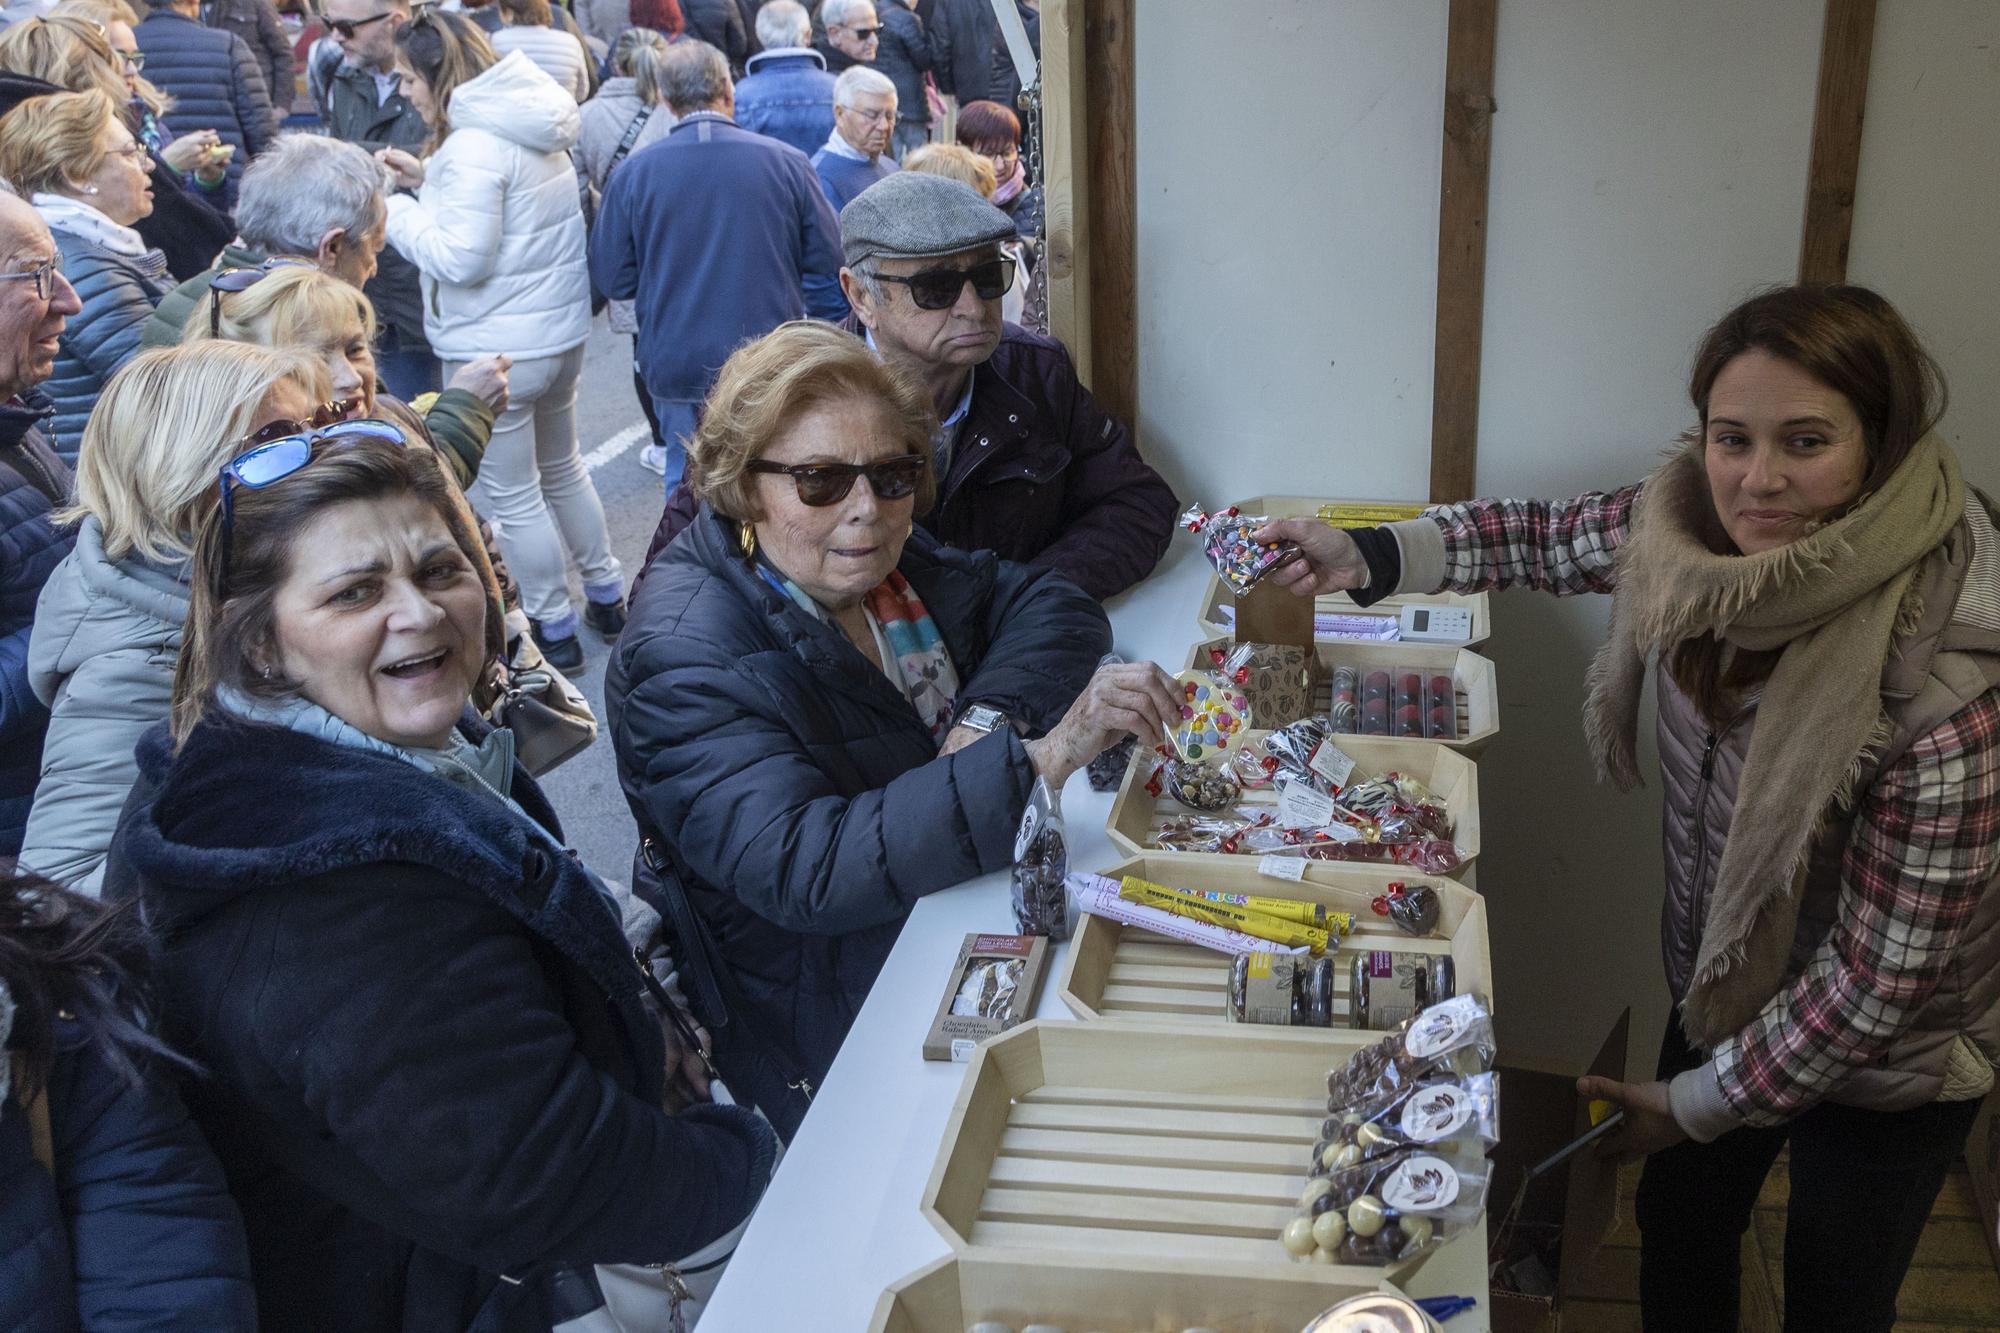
point(799, 800)
point(257, 23)
point(214, 80)
point(720, 24)
point(903, 57)
point(118, 298)
point(33, 481)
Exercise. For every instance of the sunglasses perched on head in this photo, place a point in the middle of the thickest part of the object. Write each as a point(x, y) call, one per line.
point(240, 280)
point(822, 484)
point(272, 461)
point(348, 27)
point(326, 414)
point(938, 288)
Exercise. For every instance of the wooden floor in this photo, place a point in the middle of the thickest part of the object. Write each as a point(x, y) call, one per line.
point(1952, 1286)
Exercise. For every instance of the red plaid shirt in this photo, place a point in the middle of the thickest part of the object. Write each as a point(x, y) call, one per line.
point(1926, 835)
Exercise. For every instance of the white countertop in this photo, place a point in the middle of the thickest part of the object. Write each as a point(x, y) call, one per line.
point(841, 1221)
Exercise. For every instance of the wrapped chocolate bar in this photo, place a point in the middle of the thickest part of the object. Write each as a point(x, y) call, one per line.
point(1462, 1111)
point(1389, 1209)
point(1345, 717)
point(1455, 1037)
point(1041, 865)
point(1412, 909)
point(1238, 557)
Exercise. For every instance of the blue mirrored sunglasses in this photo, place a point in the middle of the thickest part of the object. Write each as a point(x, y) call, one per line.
point(270, 463)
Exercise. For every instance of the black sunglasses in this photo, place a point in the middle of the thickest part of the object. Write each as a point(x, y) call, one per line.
point(862, 34)
point(938, 288)
point(271, 461)
point(240, 280)
point(348, 27)
point(823, 484)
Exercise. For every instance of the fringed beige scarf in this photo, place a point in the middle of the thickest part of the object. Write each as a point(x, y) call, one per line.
point(1832, 601)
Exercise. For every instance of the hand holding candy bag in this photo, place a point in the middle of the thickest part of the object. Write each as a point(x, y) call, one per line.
point(1240, 559)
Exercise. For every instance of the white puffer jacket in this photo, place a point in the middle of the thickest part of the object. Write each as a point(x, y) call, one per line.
point(497, 229)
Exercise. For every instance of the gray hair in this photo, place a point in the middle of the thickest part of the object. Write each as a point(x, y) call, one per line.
point(858, 79)
point(304, 186)
point(842, 11)
point(638, 55)
point(783, 23)
point(694, 76)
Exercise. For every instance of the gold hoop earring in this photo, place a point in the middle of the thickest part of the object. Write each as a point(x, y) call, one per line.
point(746, 537)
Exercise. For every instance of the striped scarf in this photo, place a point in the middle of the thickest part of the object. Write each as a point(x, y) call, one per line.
point(930, 681)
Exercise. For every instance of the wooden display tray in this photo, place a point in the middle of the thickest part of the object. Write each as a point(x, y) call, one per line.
point(1453, 778)
point(1144, 1150)
point(1474, 676)
point(1218, 596)
point(1121, 973)
point(960, 1290)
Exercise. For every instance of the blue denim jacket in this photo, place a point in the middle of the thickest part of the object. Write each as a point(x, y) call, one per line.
point(788, 95)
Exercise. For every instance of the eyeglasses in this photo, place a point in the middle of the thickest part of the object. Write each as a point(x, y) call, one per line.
point(274, 460)
point(938, 288)
point(861, 34)
point(134, 60)
point(134, 150)
point(823, 484)
point(241, 280)
point(881, 117)
point(348, 27)
point(326, 414)
point(44, 274)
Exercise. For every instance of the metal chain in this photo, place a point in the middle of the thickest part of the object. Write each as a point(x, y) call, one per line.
point(1037, 311)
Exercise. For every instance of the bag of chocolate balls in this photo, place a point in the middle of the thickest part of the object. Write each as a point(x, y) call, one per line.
point(1389, 1209)
point(1454, 1037)
point(1041, 867)
point(1458, 1113)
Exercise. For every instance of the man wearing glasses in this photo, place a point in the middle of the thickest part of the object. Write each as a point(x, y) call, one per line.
point(362, 102)
point(852, 34)
point(35, 301)
point(1028, 465)
point(855, 154)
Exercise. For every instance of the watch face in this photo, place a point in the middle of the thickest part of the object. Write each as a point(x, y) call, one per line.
point(980, 718)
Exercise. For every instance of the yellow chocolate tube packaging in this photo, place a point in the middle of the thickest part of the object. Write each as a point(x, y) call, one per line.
point(1283, 909)
point(1288, 933)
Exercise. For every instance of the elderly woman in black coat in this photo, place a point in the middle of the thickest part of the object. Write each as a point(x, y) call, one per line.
point(440, 1080)
point(820, 717)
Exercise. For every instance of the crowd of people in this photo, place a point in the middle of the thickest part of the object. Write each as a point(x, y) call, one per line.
point(313, 1017)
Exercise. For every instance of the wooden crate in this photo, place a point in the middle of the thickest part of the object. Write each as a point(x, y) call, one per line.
point(1218, 604)
point(1476, 682)
point(960, 1290)
point(1136, 813)
point(1144, 1149)
point(1121, 973)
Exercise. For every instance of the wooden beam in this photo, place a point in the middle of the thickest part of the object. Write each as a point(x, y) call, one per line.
point(1066, 186)
point(1846, 43)
point(1110, 121)
point(1461, 289)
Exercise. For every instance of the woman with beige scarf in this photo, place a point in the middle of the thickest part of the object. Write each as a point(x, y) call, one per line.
point(1821, 593)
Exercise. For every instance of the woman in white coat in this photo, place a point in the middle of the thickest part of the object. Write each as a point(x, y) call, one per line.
point(496, 229)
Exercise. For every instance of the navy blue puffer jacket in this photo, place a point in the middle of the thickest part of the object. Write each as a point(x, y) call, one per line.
point(799, 799)
point(32, 482)
point(118, 298)
point(215, 82)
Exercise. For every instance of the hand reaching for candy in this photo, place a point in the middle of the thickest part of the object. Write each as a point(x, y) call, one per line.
point(1329, 562)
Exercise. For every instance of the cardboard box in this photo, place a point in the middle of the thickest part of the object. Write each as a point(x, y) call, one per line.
point(953, 1036)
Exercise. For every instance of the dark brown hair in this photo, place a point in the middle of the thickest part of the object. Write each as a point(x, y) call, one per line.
point(232, 627)
point(988, 126)
point(445, 50)
point(533, 13)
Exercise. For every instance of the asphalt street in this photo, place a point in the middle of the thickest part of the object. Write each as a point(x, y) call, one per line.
point(610, 431)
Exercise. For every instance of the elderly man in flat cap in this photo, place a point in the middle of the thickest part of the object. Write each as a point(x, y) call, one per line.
point(1028, 465)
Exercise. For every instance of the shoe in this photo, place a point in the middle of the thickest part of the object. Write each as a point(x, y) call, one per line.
point(564, 654)
point(653, 458)
point(607, 618)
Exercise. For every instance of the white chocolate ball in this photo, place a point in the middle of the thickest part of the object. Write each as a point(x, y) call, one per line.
point(1365, 1216)
point(1298, 1237)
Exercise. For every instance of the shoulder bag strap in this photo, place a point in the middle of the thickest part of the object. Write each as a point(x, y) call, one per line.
point(631, 137)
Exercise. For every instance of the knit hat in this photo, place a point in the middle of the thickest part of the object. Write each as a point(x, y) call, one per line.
point(915, 215)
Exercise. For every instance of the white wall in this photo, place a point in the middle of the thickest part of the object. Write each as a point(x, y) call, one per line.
point(1648, 169)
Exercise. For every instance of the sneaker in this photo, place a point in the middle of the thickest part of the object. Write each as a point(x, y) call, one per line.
point(607, 618)
point(564, 654)
point(653, 458)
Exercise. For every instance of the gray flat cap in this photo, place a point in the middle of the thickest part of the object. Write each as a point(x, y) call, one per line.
point(914, 215)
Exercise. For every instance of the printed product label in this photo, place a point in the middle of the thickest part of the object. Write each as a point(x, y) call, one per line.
point(1329, 761)
point(1423, 1184)
point(1303, 806)
point(1282, 867)
point(1439, 1027)
point(961, 1050)
point(1436, 1113)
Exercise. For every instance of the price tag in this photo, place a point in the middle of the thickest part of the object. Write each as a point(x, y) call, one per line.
point(961, 1049)
point(1282, 867)
point(1332, 763)
point(1304, 806)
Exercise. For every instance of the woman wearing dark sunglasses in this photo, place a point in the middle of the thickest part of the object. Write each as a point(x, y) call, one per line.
point(820, 717)
point(440, 1082)
point(108, 626)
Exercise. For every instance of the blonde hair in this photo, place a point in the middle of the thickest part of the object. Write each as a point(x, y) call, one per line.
point(766, 384)
point(71, 49)
point(48, 144)
point(954, 162)
point(292, 305)
point(163, 427)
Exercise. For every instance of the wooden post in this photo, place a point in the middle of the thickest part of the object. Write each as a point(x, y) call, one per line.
point(1461, 289)
point(1066, 187)
point(1846, 44)
point(1109, 121)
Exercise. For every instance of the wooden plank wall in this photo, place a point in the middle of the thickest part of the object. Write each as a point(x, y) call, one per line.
point(1112, 146)
point(1067, 189)
point(1461, 288)
point(1846, 44)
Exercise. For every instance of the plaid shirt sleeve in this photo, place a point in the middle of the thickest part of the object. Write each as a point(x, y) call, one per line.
point(1926, 839)
point(1558, 546)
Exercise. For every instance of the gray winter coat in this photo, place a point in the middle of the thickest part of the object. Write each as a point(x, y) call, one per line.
point(102, 658)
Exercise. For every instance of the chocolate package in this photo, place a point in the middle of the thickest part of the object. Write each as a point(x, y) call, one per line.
point(993, 986)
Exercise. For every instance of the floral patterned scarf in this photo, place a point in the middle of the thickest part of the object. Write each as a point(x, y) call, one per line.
point(922, 665)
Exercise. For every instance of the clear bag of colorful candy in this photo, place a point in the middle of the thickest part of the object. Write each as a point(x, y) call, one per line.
point(1237, 556)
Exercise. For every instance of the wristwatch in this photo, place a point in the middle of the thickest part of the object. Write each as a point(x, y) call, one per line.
point(982, 718)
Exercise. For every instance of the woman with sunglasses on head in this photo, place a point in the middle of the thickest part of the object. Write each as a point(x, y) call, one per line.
point(441, 1084)
point(496, 228)
point(820, 717)
point(108, 626)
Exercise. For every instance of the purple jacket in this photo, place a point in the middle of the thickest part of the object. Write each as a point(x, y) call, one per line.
point(1040, 475)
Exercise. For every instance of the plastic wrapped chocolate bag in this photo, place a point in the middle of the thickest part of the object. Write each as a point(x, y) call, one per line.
point(1389, 1209)
point(1239, 558)
point(1455, 1037)
point(1041, 865)
point(1461, 1109)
